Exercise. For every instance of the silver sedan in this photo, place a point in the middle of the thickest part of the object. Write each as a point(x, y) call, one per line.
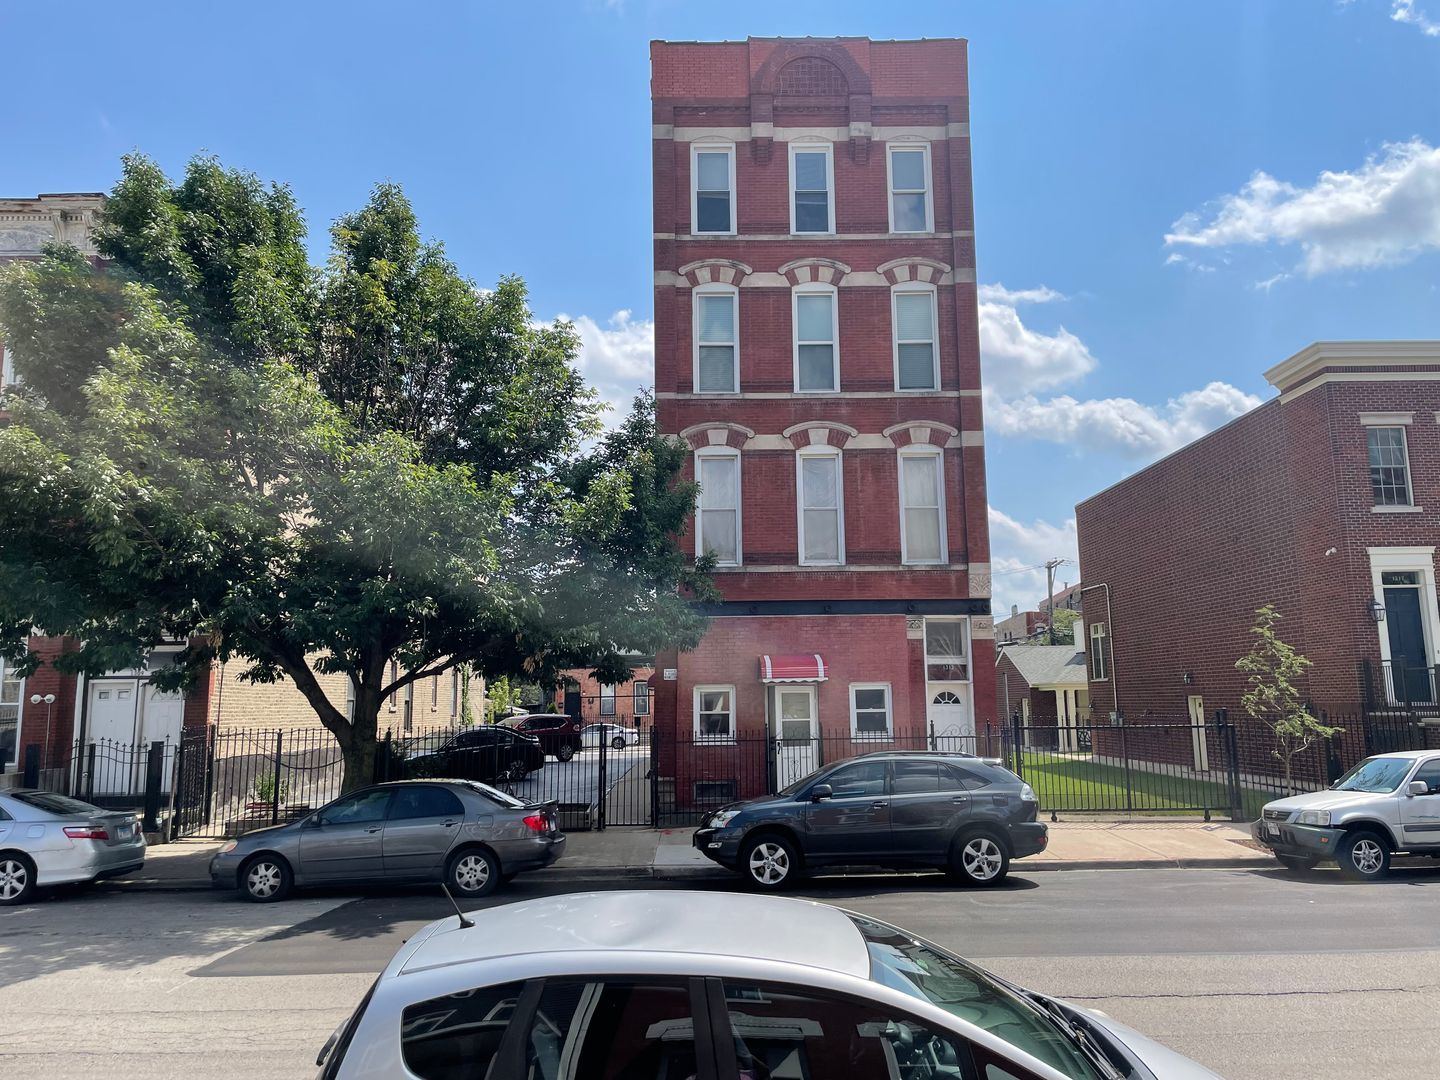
point(50, 839)
point(469, 835)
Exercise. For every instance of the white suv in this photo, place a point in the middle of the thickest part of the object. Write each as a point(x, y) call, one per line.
point(1386, 804)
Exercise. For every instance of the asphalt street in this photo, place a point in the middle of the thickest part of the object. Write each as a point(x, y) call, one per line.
point(1253, 972)
point(578, 780)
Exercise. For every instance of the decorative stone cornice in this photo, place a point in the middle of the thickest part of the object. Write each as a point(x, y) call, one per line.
point(719, 271)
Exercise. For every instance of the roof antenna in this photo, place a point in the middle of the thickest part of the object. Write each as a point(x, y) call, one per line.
point(465, 923)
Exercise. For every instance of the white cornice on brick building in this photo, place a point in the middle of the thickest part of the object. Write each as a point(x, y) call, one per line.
point(27, 225)
point(1307, 367)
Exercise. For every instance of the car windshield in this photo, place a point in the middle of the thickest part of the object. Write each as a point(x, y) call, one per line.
point(963, 990)
point(54, 804)
point(1374, 774)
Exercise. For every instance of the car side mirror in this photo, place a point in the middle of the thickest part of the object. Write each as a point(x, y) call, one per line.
point(820, 792)
point(1419, 787)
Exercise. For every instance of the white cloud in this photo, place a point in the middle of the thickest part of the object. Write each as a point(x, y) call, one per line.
point(1387, 211)
point(618, 359)
point(1405, 11)
point(1018, 359)
point(1018, 551)
point(1269, 283)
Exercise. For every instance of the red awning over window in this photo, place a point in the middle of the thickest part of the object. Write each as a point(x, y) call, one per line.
point(801, 667)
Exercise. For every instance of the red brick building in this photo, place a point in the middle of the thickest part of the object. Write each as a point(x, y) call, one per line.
point(1324, 501)
point(817, 349)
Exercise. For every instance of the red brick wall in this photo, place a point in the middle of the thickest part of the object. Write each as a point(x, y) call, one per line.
point(624, 697)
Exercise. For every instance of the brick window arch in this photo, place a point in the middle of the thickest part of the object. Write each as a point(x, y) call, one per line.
point(810, 76)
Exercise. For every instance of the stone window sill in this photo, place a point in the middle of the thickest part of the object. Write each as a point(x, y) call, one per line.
point(1397, 509)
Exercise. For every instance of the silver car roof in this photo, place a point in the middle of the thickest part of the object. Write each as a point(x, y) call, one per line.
point(667, 922)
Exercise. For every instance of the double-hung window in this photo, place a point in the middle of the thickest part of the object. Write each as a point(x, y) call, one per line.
point(946, 649)
point(911, 210)
point(642, 698)
point(870, 710)
point(817, 339)
point(1099, 659)
point(1389, 466)
point(712, 171)
point(717, 520)
point(717, 340)
point(714, 713)
point(8, 377)
point(913, 314)
point(822, 506)
point(607, 700)
point(922, 506)
point(812, 188)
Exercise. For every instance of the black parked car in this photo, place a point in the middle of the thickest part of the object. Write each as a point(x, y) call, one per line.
point(484, 753)
point(964, 814)
point(559, 734)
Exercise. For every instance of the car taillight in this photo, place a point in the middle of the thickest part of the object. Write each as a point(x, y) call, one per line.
point(86, 832)
point(538, 822)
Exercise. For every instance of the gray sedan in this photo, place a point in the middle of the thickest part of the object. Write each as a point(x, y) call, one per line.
point(50, 839)
point(464, 833)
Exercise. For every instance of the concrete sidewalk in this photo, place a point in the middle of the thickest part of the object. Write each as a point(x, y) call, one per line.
point(619, 854)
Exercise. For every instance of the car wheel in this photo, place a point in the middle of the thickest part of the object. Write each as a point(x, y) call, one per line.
point(1363, 856)
point(618, 742)
point(770, 862)
point(516, 771)
point(473, 872)
point(1298, 864)
point(979, 859)
point(265, 879)
point(17, 879)
point(565, 753)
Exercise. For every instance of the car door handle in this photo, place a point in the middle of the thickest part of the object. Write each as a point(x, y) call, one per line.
point(449, 824)
point(376, 829)
point(960, 800)
point(881, 805)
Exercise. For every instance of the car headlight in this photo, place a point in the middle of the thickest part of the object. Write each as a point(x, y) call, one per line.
point(1313, 817)
point(230, 845)
point(1027, 793)
point(721, 818)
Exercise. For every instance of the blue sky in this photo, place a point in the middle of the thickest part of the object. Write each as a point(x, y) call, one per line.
point(1170, 197)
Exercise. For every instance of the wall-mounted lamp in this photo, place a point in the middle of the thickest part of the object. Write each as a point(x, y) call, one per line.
point(1376, 609)
point(1188, 678)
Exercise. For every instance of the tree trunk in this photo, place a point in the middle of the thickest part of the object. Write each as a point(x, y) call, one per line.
point(359, 749)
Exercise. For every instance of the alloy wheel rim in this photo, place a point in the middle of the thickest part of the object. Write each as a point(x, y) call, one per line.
point(471, 873)
point(12, 879)
point(981, 858)
point(769, 863)
point(263, 879)
point(1367, 856)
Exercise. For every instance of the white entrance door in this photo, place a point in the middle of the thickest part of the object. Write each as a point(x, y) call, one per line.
point(797, 749)
point(1197, 733)
point(1067, 740)
point(111, 728)
point(947, 710)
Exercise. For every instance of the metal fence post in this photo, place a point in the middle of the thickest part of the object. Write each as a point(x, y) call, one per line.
point(655, 776)
point(32, 766)
point(600, 793)
point(1232, 762)
point(275, 774)
point(154, 780)
point(212, 747)
point(1129, 776)
point(932, 736)
point(89, 785)
point(1017, 744)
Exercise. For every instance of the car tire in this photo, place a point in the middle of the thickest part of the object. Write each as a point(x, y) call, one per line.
point(1363, 856)
point(473, 873)
point(978, 858)
point(566, 752)
point(770, 862)
point(515, 772)
point(1298, 864)
point(618, 742)
point(265, 879)
point(17, 878)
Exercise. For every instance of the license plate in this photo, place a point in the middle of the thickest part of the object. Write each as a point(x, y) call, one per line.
point(1272, 829)
point(123, 832)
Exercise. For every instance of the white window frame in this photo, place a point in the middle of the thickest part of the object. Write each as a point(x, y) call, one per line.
point(916, 287)
point(856, 734)
point(455, 691)
point(695, 714)
point(19, 718)
point(611, 699)
point(714, 289)
point(727, 452)
point(815, 289)
point(813, 147)
point(1095, 649)
point(924, 450)
point(911, 147)
point(1408, 506)
point(8, 378)
point(697, 148)
point(394, 674)
point(963, 659)
point(1419, 560)
point(800, 456)
point(349, 698)
point(640, 698)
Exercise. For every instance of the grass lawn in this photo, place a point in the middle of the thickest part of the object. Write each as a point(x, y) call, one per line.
point(1079, 784)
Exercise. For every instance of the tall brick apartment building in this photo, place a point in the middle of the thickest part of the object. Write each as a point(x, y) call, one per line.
point(1324, 501)
point(817, 349)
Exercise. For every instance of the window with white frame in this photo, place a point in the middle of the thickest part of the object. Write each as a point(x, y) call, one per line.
point(1099, 658)
point(394, 674)
point(870, 710)
point(607, 701)
point(712, 203)
point(1389, 466)
point(11, 687)
point(642, 698)
point(911, 209)
point(812, 188)
point(816, 322)
point(454, 691)
point(922, 506)
point(715, 713)
point(349, 698)
point(717, 519)
point(947, 649)
point(913, 313)
point(820, 482)
point(7, 368)
point(717, 339)
point(435, 693)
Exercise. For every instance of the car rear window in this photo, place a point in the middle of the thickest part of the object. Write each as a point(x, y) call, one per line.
point(495, 795)
point(53, 803)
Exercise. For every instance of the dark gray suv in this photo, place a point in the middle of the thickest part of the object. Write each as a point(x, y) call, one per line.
point(964, 814)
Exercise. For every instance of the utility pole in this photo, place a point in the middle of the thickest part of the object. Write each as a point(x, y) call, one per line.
point(1050, 565)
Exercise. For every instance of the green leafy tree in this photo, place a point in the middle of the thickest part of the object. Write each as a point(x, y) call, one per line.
point(191, 456)
point(1271, 668)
